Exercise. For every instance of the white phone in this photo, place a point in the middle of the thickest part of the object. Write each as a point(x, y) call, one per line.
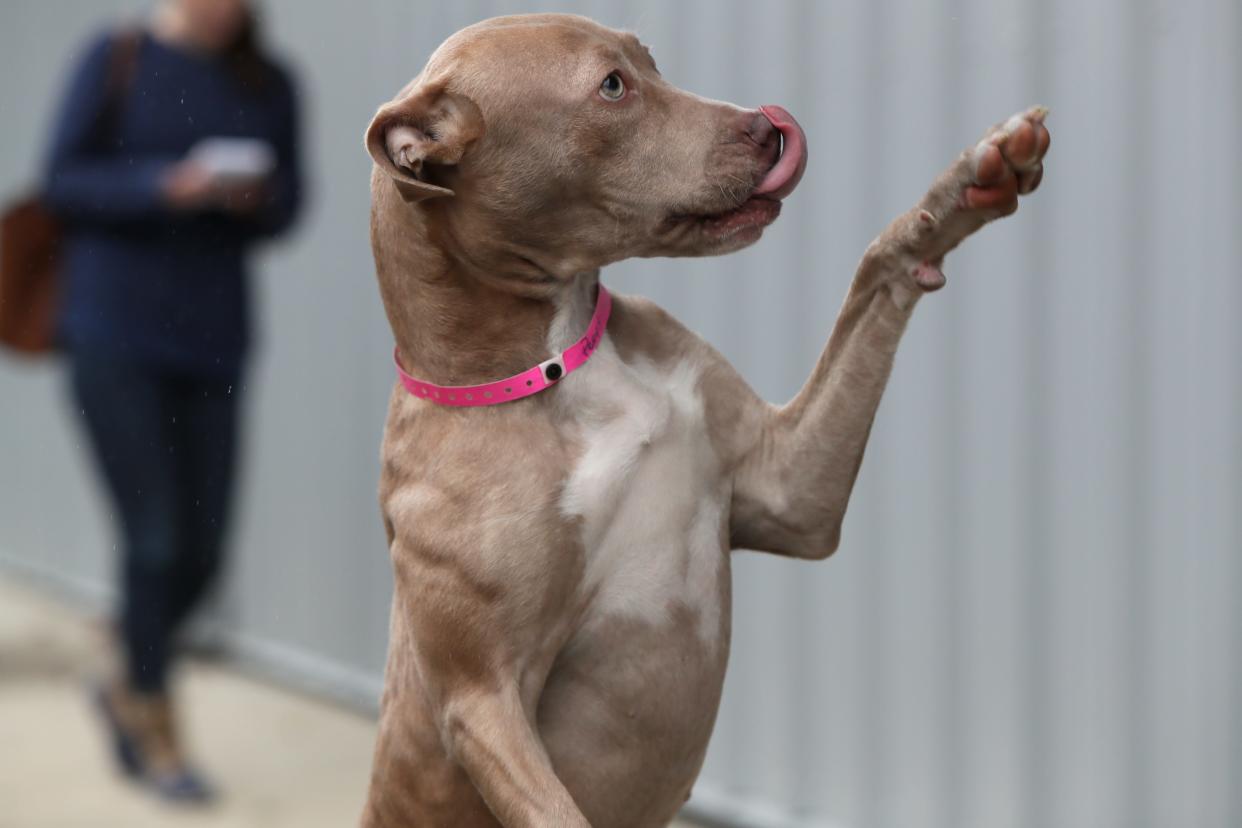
point(234, 159)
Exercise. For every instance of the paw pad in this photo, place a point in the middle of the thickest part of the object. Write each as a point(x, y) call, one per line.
point(928, 276)
point(1008, 162)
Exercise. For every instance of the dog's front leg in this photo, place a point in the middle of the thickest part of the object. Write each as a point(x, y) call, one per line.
point(467, 656)
point(487, 731)
point(793, 483)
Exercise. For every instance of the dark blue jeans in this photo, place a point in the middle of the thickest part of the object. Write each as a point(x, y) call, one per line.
point(166, 444)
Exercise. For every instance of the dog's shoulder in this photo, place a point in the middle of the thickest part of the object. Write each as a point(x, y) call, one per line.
point(733, 413)
point(640, 328)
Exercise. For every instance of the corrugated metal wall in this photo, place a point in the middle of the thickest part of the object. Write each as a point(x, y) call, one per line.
point(1032, 621)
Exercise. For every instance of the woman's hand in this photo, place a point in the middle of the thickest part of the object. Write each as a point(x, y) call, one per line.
point(187, 186)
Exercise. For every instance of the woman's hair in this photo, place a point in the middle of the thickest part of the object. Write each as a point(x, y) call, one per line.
point(246, 57)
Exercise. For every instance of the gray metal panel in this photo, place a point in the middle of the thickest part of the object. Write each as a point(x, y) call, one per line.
point(1032, 620)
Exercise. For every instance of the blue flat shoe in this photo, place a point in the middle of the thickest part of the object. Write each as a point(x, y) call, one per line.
point(184, 786)
point(144, 747)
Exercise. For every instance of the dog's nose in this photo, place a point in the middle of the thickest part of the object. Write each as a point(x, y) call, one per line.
point(765, 136)
point(761, 133)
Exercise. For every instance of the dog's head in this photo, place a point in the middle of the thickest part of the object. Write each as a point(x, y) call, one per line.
point(551, 144)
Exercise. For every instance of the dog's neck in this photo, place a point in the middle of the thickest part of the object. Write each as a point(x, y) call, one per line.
point(455, 324)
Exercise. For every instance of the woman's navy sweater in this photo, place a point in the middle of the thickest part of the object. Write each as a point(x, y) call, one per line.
point(142, 280)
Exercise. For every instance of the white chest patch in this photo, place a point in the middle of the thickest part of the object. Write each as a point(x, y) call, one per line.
point(647, 489)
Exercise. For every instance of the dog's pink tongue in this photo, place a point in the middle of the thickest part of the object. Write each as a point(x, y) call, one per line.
point(787, 172)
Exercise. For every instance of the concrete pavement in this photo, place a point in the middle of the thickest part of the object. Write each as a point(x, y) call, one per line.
point(282, 760)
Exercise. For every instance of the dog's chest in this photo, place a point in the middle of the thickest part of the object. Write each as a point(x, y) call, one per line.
point(647, 492)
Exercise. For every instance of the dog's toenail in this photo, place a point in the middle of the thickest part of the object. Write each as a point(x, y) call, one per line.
point(1015, 123)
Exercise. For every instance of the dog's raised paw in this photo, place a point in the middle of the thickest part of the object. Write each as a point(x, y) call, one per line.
point(983, 184)
point(1008, 162)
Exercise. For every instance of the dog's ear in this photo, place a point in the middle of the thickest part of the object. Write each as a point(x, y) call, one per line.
point(425, 128)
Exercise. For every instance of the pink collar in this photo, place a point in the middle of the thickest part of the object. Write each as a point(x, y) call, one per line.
point(530, 381)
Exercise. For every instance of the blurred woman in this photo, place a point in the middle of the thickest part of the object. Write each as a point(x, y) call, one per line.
point(165, 184)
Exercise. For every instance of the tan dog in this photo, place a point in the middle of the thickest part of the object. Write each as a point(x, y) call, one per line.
point(560, 624)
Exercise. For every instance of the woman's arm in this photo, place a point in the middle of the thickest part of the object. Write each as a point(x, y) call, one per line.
point(89, 175)
point(283, 191)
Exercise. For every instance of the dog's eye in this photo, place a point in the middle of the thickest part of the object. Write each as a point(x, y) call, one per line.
point(613, 88)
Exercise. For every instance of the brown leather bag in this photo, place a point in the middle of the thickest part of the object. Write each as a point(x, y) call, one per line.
point(30, 236)
point(29, 276)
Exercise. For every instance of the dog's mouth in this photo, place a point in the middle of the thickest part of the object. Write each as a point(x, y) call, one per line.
point(791, 164)
point(763, 204)
point(755, 212)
